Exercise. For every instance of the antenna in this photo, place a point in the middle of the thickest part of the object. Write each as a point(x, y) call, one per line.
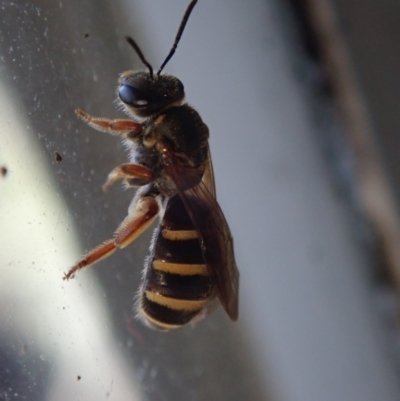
point(178, 35)
point(140, 54)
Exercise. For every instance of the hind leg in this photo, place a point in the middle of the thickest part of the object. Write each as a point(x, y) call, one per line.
point(141, 214)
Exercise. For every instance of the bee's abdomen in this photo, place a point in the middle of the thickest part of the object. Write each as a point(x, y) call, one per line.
point(177, 284)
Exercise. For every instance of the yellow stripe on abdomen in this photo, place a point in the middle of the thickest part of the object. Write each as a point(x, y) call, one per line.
point(173, 303)
point(179, 235)
point(183, 269)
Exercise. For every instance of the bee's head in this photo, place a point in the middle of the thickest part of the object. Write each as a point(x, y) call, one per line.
point(143, 94)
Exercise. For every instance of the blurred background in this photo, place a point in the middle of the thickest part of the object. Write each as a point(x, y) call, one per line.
point(301, 98)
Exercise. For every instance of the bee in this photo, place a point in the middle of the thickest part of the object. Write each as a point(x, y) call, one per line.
point(191, 264)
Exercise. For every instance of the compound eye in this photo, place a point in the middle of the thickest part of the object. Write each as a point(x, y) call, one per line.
point(132, 96)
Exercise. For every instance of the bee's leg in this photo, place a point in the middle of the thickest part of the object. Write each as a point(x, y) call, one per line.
point(140, 216)
point(95, 255)
point(134, 173)
point(113, 127)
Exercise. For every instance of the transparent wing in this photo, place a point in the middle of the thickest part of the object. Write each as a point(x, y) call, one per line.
point(208, 176)
point(216, 239)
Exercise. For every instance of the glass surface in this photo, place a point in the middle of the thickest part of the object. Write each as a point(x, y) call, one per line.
point(306, 330)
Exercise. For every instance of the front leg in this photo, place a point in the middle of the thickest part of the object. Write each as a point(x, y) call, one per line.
point(113, 127)
point(141, 215)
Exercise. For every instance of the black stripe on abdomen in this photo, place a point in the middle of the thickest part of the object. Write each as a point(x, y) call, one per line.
point(191, 287)
point(175, 216)
point(185, 251)
point(163, 316)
